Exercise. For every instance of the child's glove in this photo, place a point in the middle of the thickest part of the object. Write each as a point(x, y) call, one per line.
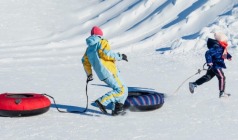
point(124, 57)
point(90, 78)
point(209, 65)
point(229, 57)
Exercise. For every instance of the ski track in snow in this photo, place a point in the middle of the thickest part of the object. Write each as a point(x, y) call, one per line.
point(42, 42)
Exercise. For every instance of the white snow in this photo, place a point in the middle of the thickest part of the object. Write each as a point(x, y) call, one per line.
point(42, 42)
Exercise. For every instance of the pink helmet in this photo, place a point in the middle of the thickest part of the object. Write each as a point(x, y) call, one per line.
point(96, 31)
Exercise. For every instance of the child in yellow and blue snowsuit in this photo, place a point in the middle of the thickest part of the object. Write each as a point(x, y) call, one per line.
point(100, 56)
point(215, 57)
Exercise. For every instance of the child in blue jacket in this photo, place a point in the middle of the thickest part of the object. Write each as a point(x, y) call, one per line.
point(215, 56)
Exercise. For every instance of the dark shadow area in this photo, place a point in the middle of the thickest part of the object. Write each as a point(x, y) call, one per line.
point(147, 37)
point(75, 109)
point(191, 36)
point(163, 49)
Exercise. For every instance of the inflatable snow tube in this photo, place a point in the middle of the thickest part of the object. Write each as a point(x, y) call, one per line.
point(23, 104)
point(144, 100)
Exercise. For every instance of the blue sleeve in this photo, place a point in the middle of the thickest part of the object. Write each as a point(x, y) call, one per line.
point(111, 55)
point(208, 56)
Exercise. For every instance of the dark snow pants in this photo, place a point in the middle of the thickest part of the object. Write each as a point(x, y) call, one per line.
point(210, 74)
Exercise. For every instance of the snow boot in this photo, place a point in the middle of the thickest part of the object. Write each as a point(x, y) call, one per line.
point(192, 86)
point(223, 94)
point(101, 107)
point(118, 109)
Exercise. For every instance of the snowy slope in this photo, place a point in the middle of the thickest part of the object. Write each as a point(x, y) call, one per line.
point(42, 42)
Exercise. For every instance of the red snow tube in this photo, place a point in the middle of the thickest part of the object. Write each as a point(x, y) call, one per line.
point(23, 104)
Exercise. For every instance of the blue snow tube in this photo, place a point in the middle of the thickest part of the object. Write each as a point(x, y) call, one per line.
point(144, 100)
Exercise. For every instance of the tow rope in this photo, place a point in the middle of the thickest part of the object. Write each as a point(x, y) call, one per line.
point(198, 72)
point(74, 111)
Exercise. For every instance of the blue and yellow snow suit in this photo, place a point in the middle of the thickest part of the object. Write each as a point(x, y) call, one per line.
point(99, 56)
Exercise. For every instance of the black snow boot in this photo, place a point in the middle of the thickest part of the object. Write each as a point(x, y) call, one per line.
point(223, 94)
point(101, 107)
point(118, 109)
point(192, 85)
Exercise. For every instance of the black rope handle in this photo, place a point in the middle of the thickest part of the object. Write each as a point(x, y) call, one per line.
point(76, 111)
